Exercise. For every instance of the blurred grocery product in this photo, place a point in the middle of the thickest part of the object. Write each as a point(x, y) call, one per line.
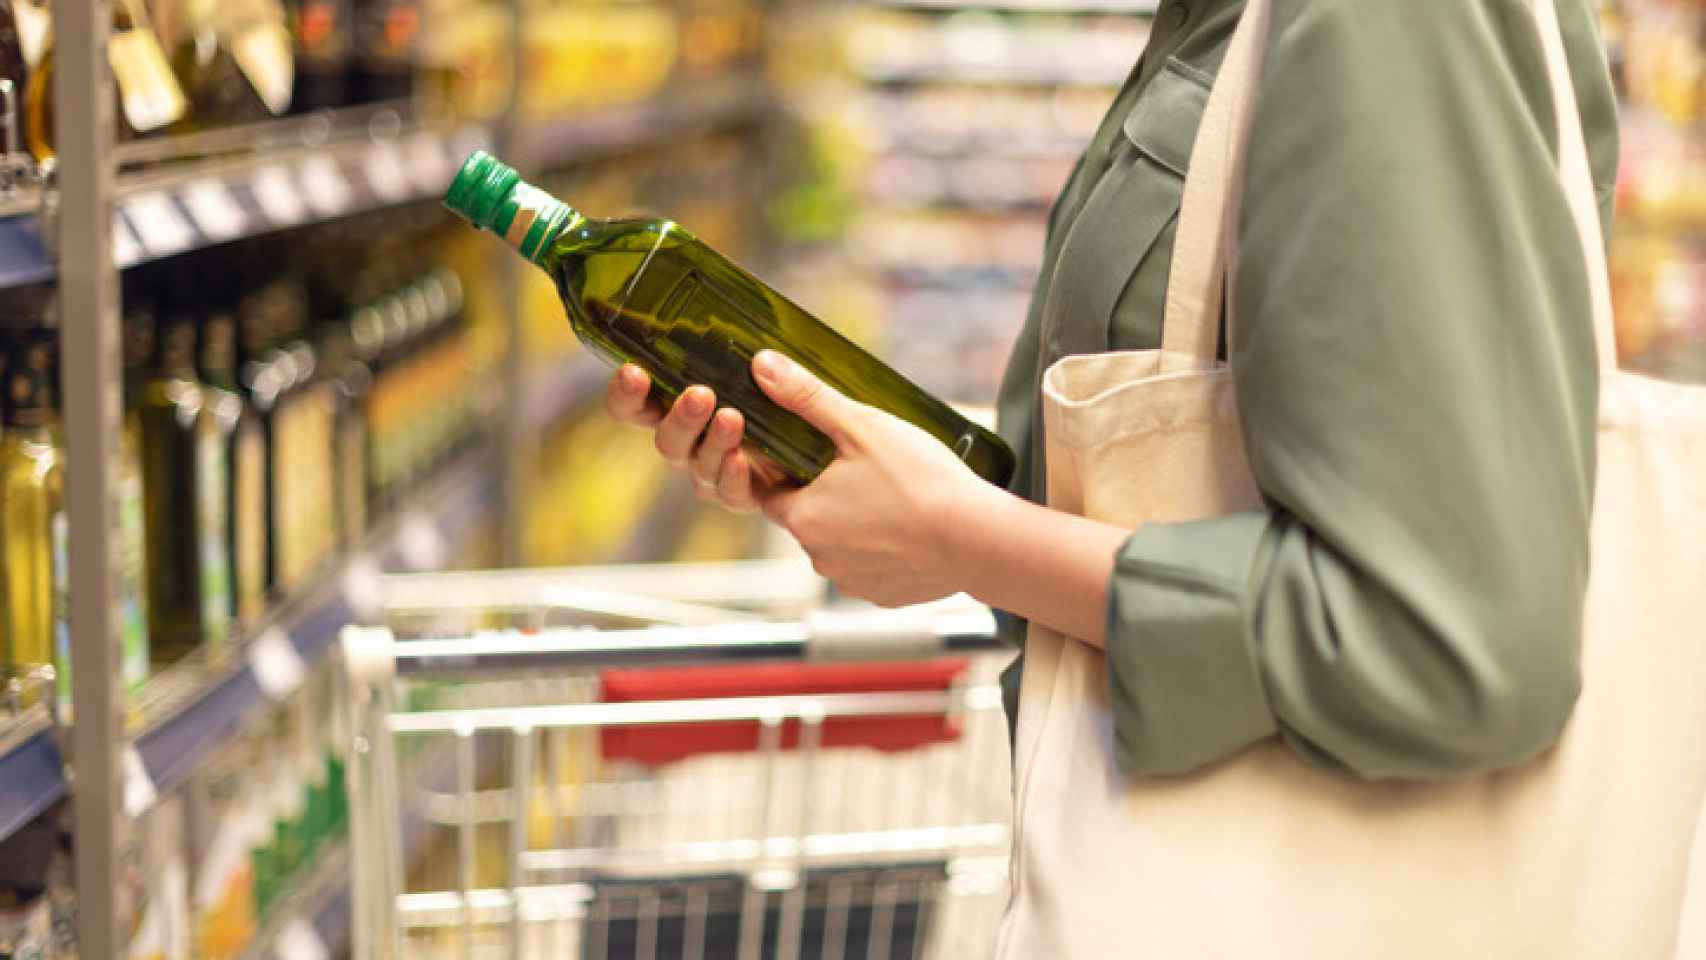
point(149, 97)
point(186, 475)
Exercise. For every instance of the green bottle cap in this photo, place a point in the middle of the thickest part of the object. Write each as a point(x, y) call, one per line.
point(490, 195)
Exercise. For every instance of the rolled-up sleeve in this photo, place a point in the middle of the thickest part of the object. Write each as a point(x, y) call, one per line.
point(1414, 361)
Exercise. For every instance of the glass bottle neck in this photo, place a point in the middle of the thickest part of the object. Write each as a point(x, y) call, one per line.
point(538, 220)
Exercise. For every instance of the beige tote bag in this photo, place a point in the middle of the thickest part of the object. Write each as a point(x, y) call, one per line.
point(1581, 853)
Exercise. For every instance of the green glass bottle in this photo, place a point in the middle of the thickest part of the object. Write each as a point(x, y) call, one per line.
point(245, 456)
point(650, 293)
point(184, 475)
point(32, 491)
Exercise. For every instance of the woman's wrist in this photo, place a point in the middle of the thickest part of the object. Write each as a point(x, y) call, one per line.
point(1046, 566)
point(969, 529)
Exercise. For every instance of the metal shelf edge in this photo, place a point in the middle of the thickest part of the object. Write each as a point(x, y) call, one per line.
point(32, 778)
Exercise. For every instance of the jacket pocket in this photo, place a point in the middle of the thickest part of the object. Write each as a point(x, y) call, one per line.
point(1111, 279)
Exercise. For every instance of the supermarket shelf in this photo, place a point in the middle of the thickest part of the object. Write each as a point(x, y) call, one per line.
point(181, 732)
point(1093, 7)
point(188, 206)
point(674, 114)
point(32, 777)
point(315, 169)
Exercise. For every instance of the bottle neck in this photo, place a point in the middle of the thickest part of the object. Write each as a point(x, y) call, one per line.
point(538, 220)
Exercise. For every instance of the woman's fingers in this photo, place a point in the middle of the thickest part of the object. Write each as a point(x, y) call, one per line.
point(679, 431)
point(734, 482)
point(628, 398)
point(721, 436)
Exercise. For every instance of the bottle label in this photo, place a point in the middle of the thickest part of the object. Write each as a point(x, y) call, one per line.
point(249, 521)
point(60, 530)
point(263, 54)
point(35, 26)
point(213, 534)
point(148, 90)
point(535, 211)
point(133, 580)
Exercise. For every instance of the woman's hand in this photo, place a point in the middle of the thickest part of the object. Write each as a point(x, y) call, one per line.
point(880, 521)
point(896, 518)
point(691, 439)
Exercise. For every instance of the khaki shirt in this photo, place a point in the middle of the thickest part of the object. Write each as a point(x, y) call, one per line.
point(1415, 371)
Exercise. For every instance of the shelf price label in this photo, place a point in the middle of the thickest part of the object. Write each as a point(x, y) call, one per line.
point(140, 793)
point(215, 210)
point(277, 667)
point(126, 250)
point(278, 196)
point(328, 192)
point(162, 228)
point(427, 163)
point(386, 173)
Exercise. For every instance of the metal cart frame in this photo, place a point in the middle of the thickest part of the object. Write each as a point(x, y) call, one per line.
point(611, 857)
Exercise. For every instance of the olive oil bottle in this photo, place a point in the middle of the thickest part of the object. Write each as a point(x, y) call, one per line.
point(232, 58)
point(149, 97)
point(185, 478)
point(32, 510)
point(650, 293)
point(245, 454)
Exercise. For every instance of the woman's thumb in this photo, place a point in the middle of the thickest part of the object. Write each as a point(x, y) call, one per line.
point(799, 391)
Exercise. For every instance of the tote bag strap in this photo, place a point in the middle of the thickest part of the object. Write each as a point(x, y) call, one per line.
point(1190, 326)
point(1577, 177)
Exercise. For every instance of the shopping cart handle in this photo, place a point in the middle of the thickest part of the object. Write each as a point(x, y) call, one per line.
point(905, 633)
point(956, 625)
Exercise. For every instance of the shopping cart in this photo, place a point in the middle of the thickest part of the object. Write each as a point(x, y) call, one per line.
point(673, 761)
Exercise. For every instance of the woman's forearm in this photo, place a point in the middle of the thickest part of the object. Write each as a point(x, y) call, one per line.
point(1049, 567)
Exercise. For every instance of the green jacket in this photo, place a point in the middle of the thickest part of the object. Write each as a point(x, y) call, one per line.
point(1415, 372)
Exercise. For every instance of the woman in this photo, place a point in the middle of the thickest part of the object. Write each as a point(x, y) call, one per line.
point(1415, 371)
point(1411, 378)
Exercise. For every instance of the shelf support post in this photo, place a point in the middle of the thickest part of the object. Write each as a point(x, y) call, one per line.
point(93, 382)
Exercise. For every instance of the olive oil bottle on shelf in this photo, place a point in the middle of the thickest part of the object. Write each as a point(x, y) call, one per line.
point(232, 58)
point(351, 381)
point(302, 488)
point(325, 53)
point(32, 520)
point(149, 96)
point(185, 479)
point(245, 453)
point(650, 293)
point(387, 34)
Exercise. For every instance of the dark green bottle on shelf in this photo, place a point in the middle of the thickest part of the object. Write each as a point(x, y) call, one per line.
point(650, 293)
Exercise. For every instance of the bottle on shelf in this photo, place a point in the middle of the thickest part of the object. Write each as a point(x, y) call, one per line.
point(325, 53)
point(33, 524)
point(225, 823)
point(650, 293)
point(387, 35)
point(148, 93)
point(302, 485)
point(351, 381)
point(185, 480)
point(233, 59)
point(245, 454)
